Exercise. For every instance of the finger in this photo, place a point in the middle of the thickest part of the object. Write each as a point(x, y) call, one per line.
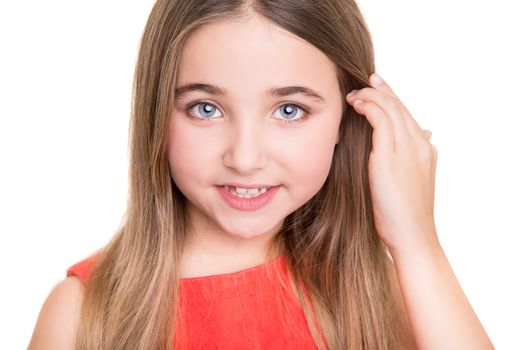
point(391, 108)
point(383, 141)
point(404, 124)
point(434, 165)
point(380, 84)
point(428, 134)
point(435, 152)
point(377, 81)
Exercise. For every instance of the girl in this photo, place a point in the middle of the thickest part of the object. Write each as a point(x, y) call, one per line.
point(281, 197)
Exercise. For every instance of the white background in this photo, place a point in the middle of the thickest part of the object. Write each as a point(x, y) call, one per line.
point(65, 94)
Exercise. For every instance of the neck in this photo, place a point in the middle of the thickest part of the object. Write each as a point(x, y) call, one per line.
point(209, 252)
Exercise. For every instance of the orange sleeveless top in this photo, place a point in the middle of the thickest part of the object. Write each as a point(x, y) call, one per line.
point(247, 309)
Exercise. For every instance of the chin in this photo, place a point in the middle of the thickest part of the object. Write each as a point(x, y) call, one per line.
point(246, 231)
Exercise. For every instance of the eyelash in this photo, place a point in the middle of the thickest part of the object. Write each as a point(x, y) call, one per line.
point(305, 109)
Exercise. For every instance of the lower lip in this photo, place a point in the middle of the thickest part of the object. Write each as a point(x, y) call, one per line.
point(248, 203)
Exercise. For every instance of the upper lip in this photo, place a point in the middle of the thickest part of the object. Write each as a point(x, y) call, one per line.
point(245, 186)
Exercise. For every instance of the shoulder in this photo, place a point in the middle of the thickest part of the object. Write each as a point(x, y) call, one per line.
point(57, 323)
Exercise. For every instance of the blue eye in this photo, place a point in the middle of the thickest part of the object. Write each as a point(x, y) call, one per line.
point(289, 108)
point(205, 111)
point(205, 107)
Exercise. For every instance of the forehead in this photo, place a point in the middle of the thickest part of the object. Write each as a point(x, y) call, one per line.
point(254, 54)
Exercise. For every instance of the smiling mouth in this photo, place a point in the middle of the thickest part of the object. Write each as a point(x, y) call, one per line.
point(244, 193)
point(247, 199)
point(258, 186)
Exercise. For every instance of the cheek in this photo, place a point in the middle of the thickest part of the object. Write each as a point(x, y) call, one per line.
point(186, 156)
point(308, 163)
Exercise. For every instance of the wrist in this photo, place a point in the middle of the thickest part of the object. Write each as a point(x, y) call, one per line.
point(425, 245)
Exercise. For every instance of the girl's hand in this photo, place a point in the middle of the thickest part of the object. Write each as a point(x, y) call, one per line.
point(402, 168)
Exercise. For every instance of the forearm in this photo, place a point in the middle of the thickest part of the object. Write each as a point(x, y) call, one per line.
point(439, 312)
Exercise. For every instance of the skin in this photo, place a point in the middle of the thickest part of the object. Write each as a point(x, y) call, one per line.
point(243, 136)
point(57, 323)
point(402, 170)
point(247, 145)
point(435, 312)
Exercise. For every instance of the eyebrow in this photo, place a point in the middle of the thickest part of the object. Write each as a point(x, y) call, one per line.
point(280, 92)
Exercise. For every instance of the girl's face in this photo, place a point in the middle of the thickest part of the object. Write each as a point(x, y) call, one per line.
point(238, 131)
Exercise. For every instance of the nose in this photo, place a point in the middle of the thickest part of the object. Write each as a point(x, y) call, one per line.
point(245, 152)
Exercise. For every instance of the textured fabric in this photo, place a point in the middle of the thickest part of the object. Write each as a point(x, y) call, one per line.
point(248, 309)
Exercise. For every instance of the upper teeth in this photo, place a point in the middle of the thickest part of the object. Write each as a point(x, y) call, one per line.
point(249, 191)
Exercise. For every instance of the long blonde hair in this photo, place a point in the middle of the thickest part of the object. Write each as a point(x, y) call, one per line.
point(330, 243)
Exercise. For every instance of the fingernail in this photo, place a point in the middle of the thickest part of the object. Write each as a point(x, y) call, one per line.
point(353, 92)
point(358, 102)
point(376, 79)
